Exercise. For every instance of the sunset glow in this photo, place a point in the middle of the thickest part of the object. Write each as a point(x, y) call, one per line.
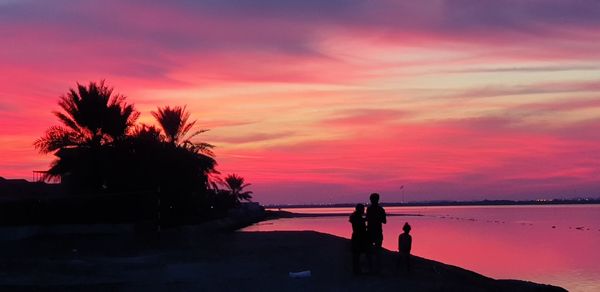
point(327, 101)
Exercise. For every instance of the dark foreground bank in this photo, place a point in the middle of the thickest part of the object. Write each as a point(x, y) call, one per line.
point(236, 261)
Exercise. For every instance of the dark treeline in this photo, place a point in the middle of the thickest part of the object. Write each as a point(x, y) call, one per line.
point(452, 203)
point(123, 169)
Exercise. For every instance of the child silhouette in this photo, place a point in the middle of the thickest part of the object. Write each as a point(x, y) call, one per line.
point(404, 247)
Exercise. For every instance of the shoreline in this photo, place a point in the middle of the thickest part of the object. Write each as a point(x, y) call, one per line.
point(202, 257)
point(225, 261)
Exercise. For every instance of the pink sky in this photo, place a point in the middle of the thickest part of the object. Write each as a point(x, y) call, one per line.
point(327, 101)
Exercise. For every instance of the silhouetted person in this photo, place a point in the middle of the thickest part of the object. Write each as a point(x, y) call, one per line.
point(359, 237)
point(404, 246)
point(375, 218)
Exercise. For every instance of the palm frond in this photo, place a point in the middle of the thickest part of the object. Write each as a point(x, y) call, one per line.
point(57, 137)
point(67, 121)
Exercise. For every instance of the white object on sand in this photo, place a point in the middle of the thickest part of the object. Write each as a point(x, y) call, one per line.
point(298, 275)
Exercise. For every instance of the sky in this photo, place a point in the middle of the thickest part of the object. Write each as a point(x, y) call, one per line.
point(327, 101)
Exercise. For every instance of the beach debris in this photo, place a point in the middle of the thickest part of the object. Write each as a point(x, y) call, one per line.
point(301, 274)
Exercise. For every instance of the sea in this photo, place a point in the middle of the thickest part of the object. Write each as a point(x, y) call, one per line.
point(551, 244)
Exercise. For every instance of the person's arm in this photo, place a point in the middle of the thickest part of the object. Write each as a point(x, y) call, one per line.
point(399, 240)
point(409, 243)
point(383, 219)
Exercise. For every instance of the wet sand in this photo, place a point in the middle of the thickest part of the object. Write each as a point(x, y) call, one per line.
point(229, 261)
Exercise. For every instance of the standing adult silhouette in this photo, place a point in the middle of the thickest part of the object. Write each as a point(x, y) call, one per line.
point(359, 239)
point(375, 218)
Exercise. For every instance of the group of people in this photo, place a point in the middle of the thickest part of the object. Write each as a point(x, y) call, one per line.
point(367, 237)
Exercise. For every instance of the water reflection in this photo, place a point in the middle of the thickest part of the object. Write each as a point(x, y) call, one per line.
point(549, 244)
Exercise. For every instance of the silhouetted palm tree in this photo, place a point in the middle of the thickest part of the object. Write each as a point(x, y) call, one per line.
point(91, 116)
point(235, 185)
point(175, 124)
point(99, 149)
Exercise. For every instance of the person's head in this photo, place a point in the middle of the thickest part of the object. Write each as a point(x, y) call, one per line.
point(359, 209)
point(374, 198)
point(406, 227)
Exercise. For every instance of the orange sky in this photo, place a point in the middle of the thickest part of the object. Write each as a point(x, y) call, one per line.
point(327, 101)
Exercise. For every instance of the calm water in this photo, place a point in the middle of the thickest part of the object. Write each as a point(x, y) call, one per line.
point(549, 244)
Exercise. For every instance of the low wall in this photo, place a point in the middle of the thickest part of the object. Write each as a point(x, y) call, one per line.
point(28, 231)
point(241, 216)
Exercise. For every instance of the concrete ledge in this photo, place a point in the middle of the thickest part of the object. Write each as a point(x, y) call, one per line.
point(24, 232)
point(241, 216)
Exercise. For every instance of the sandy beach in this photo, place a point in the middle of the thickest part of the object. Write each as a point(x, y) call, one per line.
point(228, 261)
